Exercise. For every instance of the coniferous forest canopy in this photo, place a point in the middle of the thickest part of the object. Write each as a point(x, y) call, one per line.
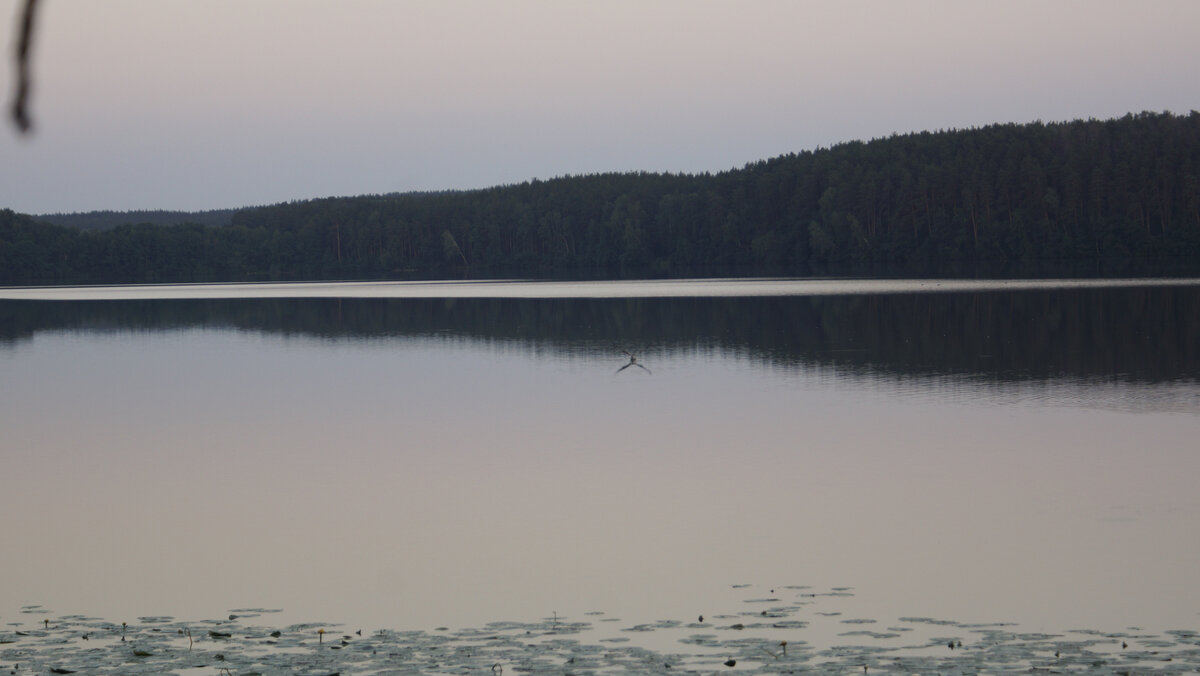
point(1091, 190)
point(112, 219)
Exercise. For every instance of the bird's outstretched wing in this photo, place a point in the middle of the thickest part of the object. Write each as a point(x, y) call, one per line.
point(632, 362)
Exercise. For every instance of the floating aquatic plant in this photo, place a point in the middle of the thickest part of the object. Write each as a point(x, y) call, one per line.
point(242, 647)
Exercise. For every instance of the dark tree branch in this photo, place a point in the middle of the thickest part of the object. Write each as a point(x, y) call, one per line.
point(20, 115)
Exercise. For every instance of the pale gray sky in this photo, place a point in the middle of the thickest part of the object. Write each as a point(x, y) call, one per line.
point(198, 104)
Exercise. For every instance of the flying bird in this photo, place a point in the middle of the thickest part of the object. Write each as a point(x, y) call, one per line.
point(633, 362)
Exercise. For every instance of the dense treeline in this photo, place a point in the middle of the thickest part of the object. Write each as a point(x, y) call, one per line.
point(1082, 190)
point(99, 220)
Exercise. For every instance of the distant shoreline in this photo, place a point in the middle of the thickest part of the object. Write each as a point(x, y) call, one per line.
point(683, 288)
point(1104, 192)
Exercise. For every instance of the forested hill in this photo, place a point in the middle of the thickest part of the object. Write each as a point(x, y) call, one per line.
point(1096, 189)
point(98, 220)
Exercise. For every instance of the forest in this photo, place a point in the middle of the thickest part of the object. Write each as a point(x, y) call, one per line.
point(1086, 190)
point(112, 219)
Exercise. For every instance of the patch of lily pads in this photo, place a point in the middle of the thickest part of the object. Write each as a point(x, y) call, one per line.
point(780, 639)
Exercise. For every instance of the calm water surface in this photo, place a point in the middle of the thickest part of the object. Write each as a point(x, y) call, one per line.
point(1023, 453)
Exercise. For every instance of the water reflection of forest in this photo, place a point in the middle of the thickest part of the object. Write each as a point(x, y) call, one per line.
point(1138, 334)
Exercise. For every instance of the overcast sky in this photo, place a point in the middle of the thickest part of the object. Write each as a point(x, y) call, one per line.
point(201, 104)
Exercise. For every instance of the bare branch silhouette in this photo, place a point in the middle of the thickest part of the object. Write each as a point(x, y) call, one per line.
point(20, 114)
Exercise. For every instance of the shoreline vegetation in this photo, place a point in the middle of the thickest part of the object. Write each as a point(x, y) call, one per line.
point(792, 629)
point(1087, 191)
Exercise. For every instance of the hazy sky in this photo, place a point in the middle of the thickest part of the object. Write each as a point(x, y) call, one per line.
point(202, 104)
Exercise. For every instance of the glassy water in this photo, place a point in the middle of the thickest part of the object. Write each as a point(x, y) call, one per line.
point(400, 459)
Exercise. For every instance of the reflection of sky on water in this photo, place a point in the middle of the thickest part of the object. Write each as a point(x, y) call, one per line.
point(425, 482)
point(1111, 394)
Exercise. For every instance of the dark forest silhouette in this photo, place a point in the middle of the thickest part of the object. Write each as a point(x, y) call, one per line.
point(1088, 190)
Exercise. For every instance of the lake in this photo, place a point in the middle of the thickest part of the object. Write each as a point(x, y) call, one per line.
point(423, 455)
